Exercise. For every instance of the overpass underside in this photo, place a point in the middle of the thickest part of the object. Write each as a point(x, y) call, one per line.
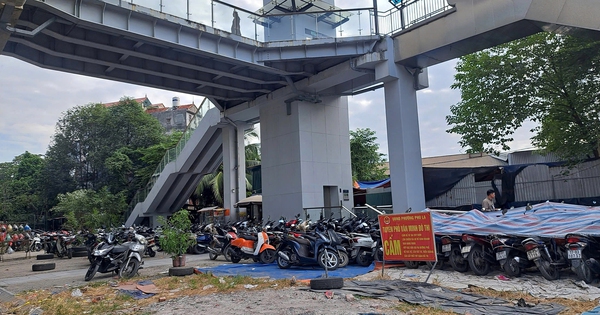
point(296, 88)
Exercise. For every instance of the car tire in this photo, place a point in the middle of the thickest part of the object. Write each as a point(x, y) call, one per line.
point(43, 267)
point(80, 254)
point(181, 271)
point(326, 283)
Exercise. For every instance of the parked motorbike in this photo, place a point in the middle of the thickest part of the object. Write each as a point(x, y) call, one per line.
point(123, 259)
point(581, 251)
point(360, 246)
point(457, 260)
point(308, 250)
point(548, 261)
point(443, 245)
point(221, 243)
point(35, 244)
point(64, 246)
point(243, 248)
point(478, 252)
point(512, 256)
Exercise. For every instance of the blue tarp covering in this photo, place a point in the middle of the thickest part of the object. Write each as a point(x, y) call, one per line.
point(373, 184)
point(273, 271)
point(547, 219)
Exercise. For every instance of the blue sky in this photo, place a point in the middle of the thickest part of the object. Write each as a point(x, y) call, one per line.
point(33, 100)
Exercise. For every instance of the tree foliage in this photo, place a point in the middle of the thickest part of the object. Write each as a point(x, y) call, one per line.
point(95, 147)
point(367, 162)
point(86, 208)
point(21, 189)
point(550, 79)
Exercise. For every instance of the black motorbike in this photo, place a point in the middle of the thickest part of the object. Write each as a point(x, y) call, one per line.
point(307, 249)
point(511, 254)
point(124, 259)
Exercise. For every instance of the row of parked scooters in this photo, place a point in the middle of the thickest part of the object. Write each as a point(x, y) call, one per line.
point(514, 254)
point(327, 242)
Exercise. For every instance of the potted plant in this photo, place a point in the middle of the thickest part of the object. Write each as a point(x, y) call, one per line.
point(176, 239)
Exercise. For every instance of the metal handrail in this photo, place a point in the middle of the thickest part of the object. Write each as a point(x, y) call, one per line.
point(170, 155)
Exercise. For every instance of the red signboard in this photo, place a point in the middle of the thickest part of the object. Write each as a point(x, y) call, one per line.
point(408, 236)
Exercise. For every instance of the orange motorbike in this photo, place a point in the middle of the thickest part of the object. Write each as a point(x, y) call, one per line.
point(243, 248)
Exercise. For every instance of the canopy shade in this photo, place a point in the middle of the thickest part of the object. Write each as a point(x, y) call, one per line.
point(252, 200)
point(210, 209)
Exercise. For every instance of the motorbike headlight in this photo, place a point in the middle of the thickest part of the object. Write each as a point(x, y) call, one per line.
point(137, 248)
point(101, 252)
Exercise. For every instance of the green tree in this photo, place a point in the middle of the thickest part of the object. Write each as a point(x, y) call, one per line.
point(550, 79)
point(367, 162)
point(86, 208)
point(21, 187)
point(95, 146)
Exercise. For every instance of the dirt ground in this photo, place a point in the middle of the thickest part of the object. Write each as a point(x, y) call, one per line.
point(16, 276)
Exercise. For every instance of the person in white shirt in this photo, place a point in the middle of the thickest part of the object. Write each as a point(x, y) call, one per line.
point(488, 203)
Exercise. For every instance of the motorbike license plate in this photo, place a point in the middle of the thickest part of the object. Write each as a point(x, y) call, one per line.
point(465, 250)
point(501, 255)
point(533, 254)
point(574, 253)
point(446, 248)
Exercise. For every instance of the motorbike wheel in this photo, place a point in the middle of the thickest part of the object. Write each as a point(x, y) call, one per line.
point(584, 272)
point(477, 261)
point(457, 261)
point(89, 275)
point(151, 252)
point(226, 252)
point(197, 249)
point(511, 266)
point(363, 258)
point(235, 258)
point(330, 258)
point(344, 259)
point(547, 269)
point(411, 264)
point(267, 256)
point(70, 253)
point(282, 263)
point(212, 255)
point(37, 247)
point(129, 268)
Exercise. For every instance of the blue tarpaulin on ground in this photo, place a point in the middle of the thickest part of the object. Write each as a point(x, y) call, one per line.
point(274, 272)
point(547, 219)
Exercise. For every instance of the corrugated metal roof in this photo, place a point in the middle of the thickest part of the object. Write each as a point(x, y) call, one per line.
point(462, 161)
point(531, 157)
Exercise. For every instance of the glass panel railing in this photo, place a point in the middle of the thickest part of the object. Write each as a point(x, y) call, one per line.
point(277, 25)
point(170, 155)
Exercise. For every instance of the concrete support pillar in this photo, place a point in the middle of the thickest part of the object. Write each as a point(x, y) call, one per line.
point(234, 167)
point(305, 156)
point(404, 143)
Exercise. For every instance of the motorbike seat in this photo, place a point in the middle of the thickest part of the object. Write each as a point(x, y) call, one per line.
point(249, 237)
point(119, 249)
point(302, 241)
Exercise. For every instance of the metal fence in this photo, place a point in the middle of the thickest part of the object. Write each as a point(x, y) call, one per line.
point(410, 13)
point(270, 27)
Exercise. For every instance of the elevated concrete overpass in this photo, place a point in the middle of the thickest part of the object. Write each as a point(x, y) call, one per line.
point(296, 87)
